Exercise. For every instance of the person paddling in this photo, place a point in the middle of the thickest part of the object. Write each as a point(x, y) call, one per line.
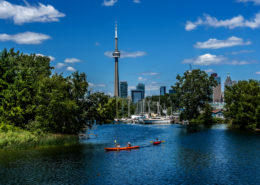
point(129, 144)
point(117, 144)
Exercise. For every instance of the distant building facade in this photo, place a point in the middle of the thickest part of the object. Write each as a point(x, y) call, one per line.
point(123, 89)
point(137, 95)
point(217, 96)
point(171, 91)
point(141, 87)
point(229, 82)
point(162, 90)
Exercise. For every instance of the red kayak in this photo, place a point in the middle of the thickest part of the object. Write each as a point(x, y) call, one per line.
point(157, 142)
point(122, 148)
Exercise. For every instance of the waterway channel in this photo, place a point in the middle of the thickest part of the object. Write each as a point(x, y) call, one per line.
point(210, 156)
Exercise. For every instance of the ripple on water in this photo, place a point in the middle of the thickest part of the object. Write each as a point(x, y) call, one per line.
point(210, 156)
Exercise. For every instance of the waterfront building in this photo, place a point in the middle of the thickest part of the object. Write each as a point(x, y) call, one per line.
point(171, 91)
point(162, 90)
point(229, 82)
point(218, 113)
point(217, 97)
point(137, 95)
point(141, 87)
point(116, 55)
point(123, 89)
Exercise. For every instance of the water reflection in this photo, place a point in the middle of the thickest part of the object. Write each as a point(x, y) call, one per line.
point(210, 156)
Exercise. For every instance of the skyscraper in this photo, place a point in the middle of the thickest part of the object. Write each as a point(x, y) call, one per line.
point(229, 82)
point(141, 87)
point(217, 89)
point(136, 95)
point(116, 55)
point(123, 89)
point(162, 90)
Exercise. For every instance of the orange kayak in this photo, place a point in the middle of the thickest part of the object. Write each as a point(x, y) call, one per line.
point(122, 148)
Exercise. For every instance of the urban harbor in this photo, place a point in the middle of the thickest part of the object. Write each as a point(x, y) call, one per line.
point(134, 92)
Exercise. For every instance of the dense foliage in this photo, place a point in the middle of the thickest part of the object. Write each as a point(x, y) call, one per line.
point(34, 99)
point(243, 104)
point(194, 91)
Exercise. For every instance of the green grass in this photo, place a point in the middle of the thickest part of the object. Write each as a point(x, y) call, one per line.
point(15, 138)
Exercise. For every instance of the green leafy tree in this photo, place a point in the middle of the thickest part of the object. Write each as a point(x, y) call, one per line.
point(194, 90)
point(243, 104)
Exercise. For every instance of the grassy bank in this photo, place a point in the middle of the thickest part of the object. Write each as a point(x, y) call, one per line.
point(16, 138)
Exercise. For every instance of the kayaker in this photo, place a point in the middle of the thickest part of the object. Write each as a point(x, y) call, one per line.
point(117, 144)
point(157, 140)
point(129, 144)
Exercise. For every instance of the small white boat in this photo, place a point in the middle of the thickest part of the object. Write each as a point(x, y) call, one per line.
point(158, 120)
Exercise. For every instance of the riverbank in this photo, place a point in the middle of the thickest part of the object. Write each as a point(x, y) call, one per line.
point(16, 138)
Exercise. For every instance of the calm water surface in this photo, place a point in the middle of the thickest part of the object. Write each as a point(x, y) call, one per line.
point(211, 156)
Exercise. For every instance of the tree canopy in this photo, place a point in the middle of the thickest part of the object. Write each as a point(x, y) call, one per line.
point(243, 104)
point(194, 91)
point(32, 98)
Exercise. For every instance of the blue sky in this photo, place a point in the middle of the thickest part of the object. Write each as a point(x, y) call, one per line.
point(158, 39)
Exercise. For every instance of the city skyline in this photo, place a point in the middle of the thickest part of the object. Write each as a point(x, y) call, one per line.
point(154, 49)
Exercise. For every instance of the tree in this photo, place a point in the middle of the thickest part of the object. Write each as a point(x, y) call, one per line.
point(32, 98)
point(243, 104)
point(194, 90)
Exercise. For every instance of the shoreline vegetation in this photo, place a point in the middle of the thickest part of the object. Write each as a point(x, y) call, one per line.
point(13, 138)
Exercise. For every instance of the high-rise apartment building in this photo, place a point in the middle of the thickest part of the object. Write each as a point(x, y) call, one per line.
point(162, 90)
point(123, 89)
point(136, 95)
point(217, 97)
point(141, 87)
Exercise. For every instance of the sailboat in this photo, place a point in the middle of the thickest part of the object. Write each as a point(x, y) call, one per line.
point(159, 119)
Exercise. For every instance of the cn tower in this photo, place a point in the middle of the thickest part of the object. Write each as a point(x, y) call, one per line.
point(116, 55)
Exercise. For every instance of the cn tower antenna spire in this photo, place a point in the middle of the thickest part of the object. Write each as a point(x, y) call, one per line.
point(116, 31)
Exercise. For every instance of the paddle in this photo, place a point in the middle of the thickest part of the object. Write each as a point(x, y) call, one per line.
point(156, 141)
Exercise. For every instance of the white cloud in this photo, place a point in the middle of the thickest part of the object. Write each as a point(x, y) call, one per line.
point(96, 85)
point(60, 65)
point(109, 2)
point(257, 73)
point(124, 54)
point(209, 59)
point(131, 87)
point(69, 68)
point(235, 22)
point(142, 78)
point(205, 60)
point(256, 2)
point(216, 44)
point(26, 14)
point(242, 52)
point(152, 87)
point(209, 70)
point(50, 57)
point(136, 1)
point(150, 74)
point(71, 60)
point(237, 63)
point(25, 38)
